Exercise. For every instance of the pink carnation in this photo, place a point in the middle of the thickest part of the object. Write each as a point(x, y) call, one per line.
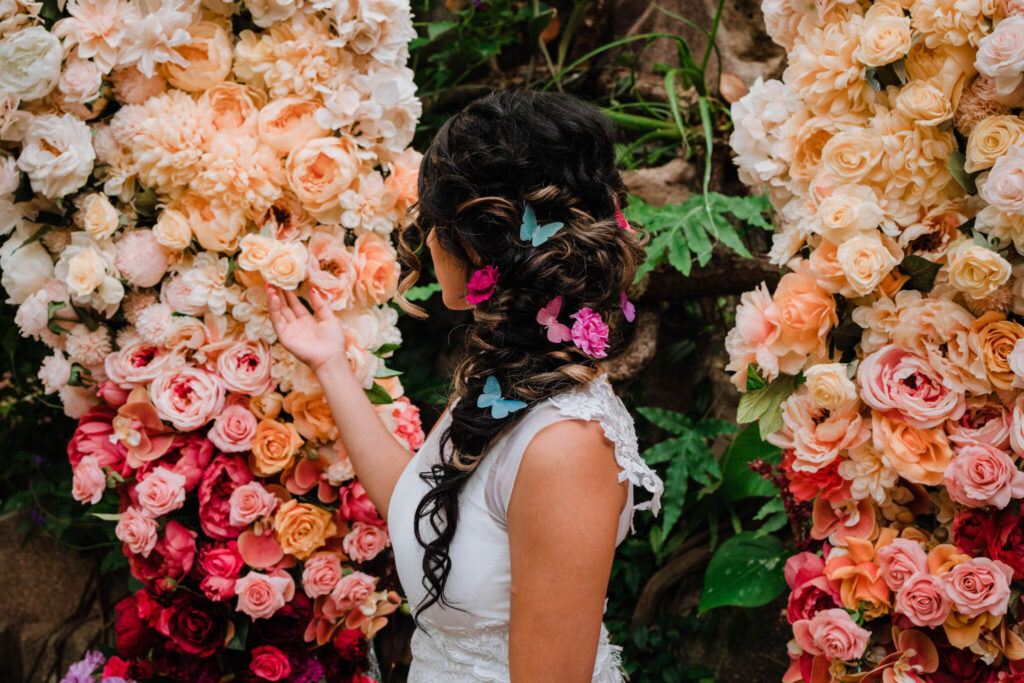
point(137, 530)
point(261, 596)
point(481, 285)
point(833, 633)
point(904, 386)
point(900, 560)
point(981, 475)
point(365, 541)
point(89, 481)
point(923, 601)
point(161, 492)
point(187, 397)
point(589, 332)
point(321, 574)
point(250, 502)
point(233, 430)
point(979, 585)
point(141, 259)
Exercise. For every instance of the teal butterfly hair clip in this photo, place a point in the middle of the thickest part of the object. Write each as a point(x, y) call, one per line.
point(536, 234)
point(491, 398)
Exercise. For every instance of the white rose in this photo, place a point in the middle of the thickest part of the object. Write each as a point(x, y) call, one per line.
point(829, 385)
point(81, 81)
point(977, 271)
point(865, 261)
point(30, 62)
point(23, 269)
point(57, 154)
point(99, 217)
point(9, 175)
point(172, 230)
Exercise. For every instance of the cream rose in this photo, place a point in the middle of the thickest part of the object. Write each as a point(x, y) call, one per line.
point(851, 155)
point(849, 211)
point(30, 62)
point(99, 217)
point(1001, 55)
point(1003, 186)
point(285, 265)
point(866, 259)
point(207, 57)
point(991, 139)
point(86, 271)
point(883, 40)
point(289, 122)
point(321, 169)
point(254, 251)
point(829, 385)
point(57, 154)
point(172, 230)
point(24, 266)
point(81, 81)
point(924, 103)
point(977, 271)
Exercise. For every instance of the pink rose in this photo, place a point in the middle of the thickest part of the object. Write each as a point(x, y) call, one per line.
point(250, 502)
point(1003, 186)
point(1001, 55)
point(900, 560)
point(137, 530)
point(904, 386)
point(270, 664)
point(224, 474)
point(481, 285)
point(811, 591)
point(321, 574)
point(923, 601)
point(261, 596)
point(189, 456)
point(977, 586)
point(89, 481)
point(187, 397)
point(365, 541)
point(981, 475)
point(245, 368)
point(832, 633)
point(92, 437)
point(589, 332)
point(111, 393)
point(355, 505)
point(986, 422)
point(351, 592)
point(219, 565)
point(141, 259)
point(135, 364)
point(233, 430)
point(161, 491)
point(171, 557)
point(331, 269)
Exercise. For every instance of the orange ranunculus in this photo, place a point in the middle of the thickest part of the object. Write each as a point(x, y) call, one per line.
point(273, 447)
point(919, 455)
point(997, 336)
point(312, 416)
point(301, 528)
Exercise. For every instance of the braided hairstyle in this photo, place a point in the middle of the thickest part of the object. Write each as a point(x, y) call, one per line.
point(487, 162)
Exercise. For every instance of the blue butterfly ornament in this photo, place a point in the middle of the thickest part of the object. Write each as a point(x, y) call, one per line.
point(537, 235)
point(491, 397)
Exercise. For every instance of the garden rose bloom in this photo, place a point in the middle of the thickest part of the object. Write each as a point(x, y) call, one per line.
point(984, 421)
point(352, 591)
point(220, 566)
point(245, 367)
point(883, 40)
point(905, 386)
point(30, 62)
point(365, 541)
point(88, 481)
point(1003, 186)
point(849, 211)
point(990, 139)
point(250, 502)
point(172, 230)
point(320, 574)
point(350, 644)
point(207, 59)
point(161, 491)
point(829, 386)
point(1001, 55)
point(319, 170)
point(589, 332)
point(285, 264)
point(978, 586)
point(981, 475)
point(273, 447)
point(269, 664)
point(261, 596)
point(806, 312)
point(377, 271)
point(755, 339)
point(832, 633)
point(923, 600)
point(137, 530)
point(171, 557)
point(191, 625)
point(233, 430)
point(301, 528)
point(977, 271)
point(919, 455)
point(355, 505)
point(866, 260)
point(57, 154)
point(481, 285)
point(331, 270)
point(187, 397)
point(811, 591)
point(997, 338)
point(288, 122)
point(815, 435)
point(80, 83)
point(220, 478)
point(312, 416)
point(99, 217)
point(924, 103)
point(849, 156)
point(900, 560)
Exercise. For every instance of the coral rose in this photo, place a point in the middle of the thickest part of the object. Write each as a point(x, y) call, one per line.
point(233, 430)
point(815, 435)
point(923, 601)
point(900, 560)
point(273, 447)
point(219, 566)
point(320, 574)
point(981, 475)
point(88, 481)
point(137, 530)
point(376, 270)
point(904, 386)
point(365, 541)
point(250, 502)
point(261, 596)
point(978, 586)
point(832, 633)
point(984, 421)
point(312, 416)
point(919, 455)
point(997, 337)
point(301, 528)
point(806, 313)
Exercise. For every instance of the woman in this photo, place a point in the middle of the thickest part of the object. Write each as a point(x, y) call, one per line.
point(504, 545)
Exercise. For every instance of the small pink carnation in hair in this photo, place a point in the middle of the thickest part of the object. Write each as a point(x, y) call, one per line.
point(589, 332)
point(481, 285)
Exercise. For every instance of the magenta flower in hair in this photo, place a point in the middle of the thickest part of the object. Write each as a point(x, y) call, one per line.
point(481, 284)
point(589, 332)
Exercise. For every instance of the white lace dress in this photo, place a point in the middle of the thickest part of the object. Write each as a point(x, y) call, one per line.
point(472, 645)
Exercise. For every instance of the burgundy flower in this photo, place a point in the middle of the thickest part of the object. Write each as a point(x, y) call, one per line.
point(287, 625)
point(269, 663)
point(1006, 542)
point(972, 531)
point(193, 625)
point(351, 645)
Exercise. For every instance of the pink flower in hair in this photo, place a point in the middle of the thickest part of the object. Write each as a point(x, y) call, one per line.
point(589, 332)
point(481, 285)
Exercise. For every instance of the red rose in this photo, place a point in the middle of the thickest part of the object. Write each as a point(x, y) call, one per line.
point(133, 633)
point(193, 625)
point(287, 625)
point(961, 666)
point(219, 566)
point(224, 474)
point(350, 644)
point(355, 506)
point(972, 532)
point(134, 670)
point(269, 663)
point(1006, 542)
point(171, 557)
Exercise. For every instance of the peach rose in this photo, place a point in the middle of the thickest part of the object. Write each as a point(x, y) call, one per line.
point(1003, 186)
point(88, 481)
point(331, 269)
point(923, 601)
point(187, 397)
point(319, 170)
point(365, 541)
point(301, 528)
point(215, 224)
point(137, 530)
point(977, 586)
point(231, 107)
point(849, 211)
point(883, 40)
point(286, 123)
point(900, 560)
point(245, 367)
point(86, 271)
point(829, 385)
point(997, 337)
point(172, 230)
point(924, 103)
point(851, 155)
point(833, 633)
point(285, 265)
point(992, 138)
point(161, 491)
point(273, 447)
point(815, 435)
point(353, 590)
point(233, 430)
point(267, 405)
point(254, 250)
point(208, 56)
point(312, 416)
point(376, 270)
point(321, 574)
point(919, 455)
point(250, 502)
point(261, 596)
point(976, 271)
point(806, 313)
point(903, 385)
point(981, 475)
point(866, 260)
point(99, 217)
point(755, 339)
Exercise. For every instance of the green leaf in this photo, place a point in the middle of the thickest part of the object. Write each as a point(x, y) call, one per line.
point(384, 373)
point(662, 451)
point(754, 380)
point(745, 571)
point(106, 516)
point(772, 524)
point(922, 272)
point(679, 255)
point(738, 480)
point(384, 349)
point(655, 252)
point(772, 506)
point(378, 395)
point(710, 427)
point(669, 420)
point(676, 483)
point(956, 169)
point(423, 293)
point(241, 634)
point(765, 405)
point(438, 28)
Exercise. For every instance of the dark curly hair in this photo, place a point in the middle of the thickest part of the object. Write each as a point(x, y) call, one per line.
point(487, 162)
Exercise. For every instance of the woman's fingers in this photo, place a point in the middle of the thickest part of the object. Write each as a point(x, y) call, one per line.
point(294, 304)
point(280, 312)
point(320, 308)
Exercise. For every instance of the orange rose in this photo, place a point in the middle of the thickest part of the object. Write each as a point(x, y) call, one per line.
point(273, 447)
point(208, 55)
point(806, 313)
point(944, 557)
point(319, 170)
point(919, 455)
point(288, 122)
point(301, 528)
point(997, 336)
point(312, 416)
point(376, 270)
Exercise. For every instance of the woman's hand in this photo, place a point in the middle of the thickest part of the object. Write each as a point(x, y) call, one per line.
point(313, 339)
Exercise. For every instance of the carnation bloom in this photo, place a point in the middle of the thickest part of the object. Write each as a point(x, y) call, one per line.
point(589, 332)
point(152, 34)
point(170, 140)
point(96, 28)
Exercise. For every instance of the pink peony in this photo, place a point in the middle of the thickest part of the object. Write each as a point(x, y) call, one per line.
point(171, 557)
point(137, 530)
point(981, 475)
point(833, 633)
point(92, 437)
point(189, 456)
point(810, 590)
point(161, 492)
point(219, 565)
point(261, 596)
point(321, 574)
point(245, 368)
point(141, 259)
point(135, 364)
point(233, 430)
point(187, 397)
point(89, 481)
point(589, 332)
point(365, 541)
point(481, 285)
point(250, 502)
point(900, 560)
point(355, 506)
point(984, 421)
point(977, 586)
point(224, 474)
point(904, 386)
point(923, 601)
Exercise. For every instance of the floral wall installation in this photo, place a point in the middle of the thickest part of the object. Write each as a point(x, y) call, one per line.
point(160, 162)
